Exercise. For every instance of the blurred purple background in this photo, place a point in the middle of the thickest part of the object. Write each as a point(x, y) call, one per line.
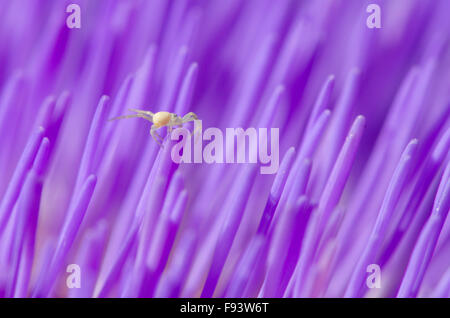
point(353, 191)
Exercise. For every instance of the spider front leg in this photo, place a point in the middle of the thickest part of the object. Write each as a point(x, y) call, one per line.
point(156, 136)
point(191, 116)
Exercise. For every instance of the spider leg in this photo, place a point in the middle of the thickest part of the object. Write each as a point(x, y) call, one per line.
point(132, 116)
point(189, 117)
point(175, 121)
point(192, 117)
point(156, 136)
point(143, 112)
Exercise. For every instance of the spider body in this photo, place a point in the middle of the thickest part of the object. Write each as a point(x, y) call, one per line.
point(160, 119)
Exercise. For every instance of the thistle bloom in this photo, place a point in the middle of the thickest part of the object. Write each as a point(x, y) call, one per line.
point(357, 208)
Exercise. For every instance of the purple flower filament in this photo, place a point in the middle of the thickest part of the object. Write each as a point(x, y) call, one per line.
point(362, 115)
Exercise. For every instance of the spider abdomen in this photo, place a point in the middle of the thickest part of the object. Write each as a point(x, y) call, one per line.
point(161, 119)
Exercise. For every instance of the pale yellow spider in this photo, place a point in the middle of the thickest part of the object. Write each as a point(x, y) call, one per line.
point(160, 119)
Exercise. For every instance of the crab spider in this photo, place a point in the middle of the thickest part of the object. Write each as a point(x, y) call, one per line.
point(160, 119)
